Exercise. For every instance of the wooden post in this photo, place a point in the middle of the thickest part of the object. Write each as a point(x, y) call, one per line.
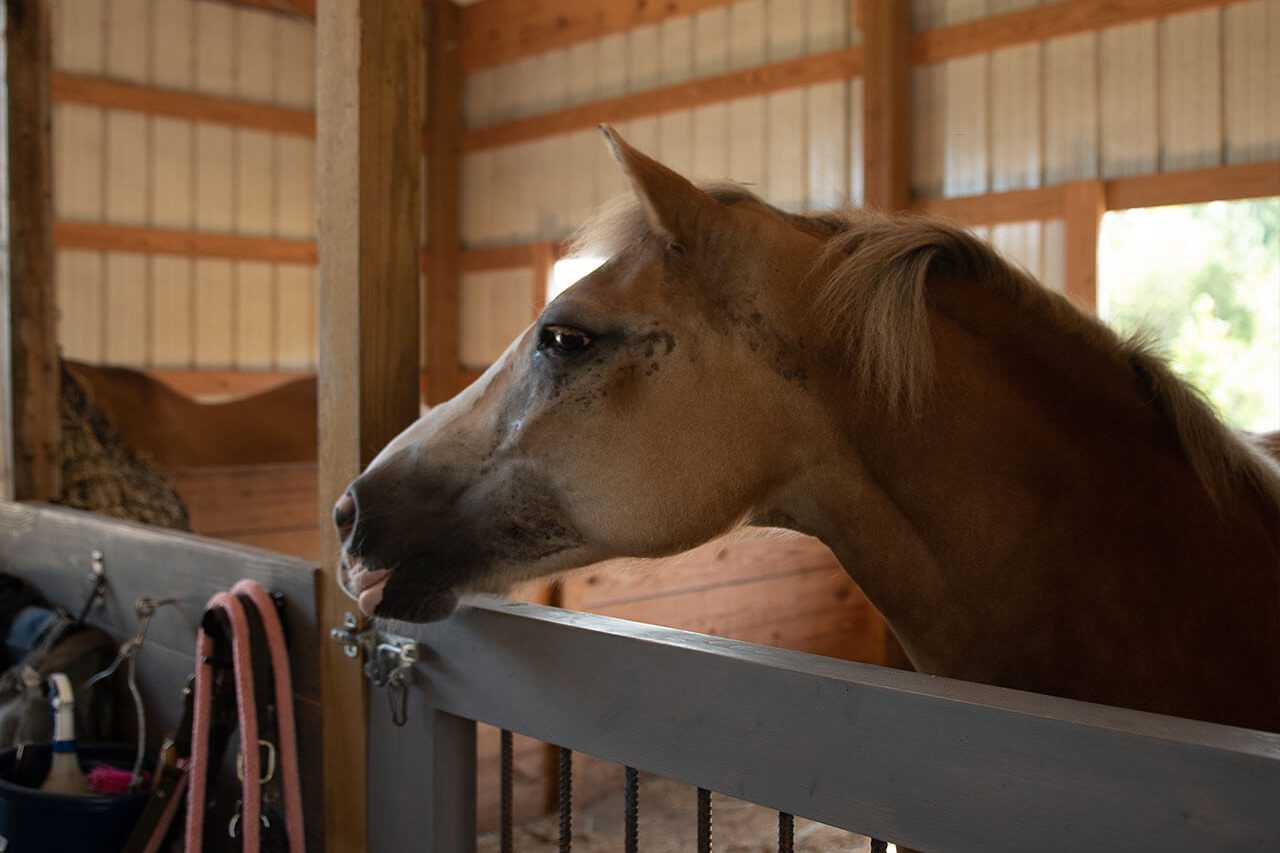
point(369, 124)
point(31, 462)
point(1086, 201)
point(886, 103)
point(444, 123)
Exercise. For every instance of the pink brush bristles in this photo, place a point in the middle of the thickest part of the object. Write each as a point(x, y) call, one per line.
point(105, 779)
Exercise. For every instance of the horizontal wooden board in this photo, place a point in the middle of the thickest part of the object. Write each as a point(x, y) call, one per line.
point(303, 542)
point(241, 499)
point(209, 385)
point(1041, 23)
point(773, 77)
point(118, 95)
point(719, 563)
point(929, 762)
point(171, 241)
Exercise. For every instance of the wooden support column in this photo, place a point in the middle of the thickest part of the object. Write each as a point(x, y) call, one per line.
point(1085, 202)
point(31, 463)
point(369, 126)
point(886, 102)
point(444, 123)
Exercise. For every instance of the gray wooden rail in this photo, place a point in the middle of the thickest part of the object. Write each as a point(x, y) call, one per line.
point(927, 762)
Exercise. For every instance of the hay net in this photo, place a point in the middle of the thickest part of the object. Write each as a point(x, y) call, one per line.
point(102, 474)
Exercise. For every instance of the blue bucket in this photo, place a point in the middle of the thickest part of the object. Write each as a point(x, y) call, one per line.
point(31, 820)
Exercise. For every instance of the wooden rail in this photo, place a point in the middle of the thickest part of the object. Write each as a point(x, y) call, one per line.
point(929, 762)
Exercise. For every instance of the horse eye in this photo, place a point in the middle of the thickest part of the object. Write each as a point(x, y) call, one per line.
point(563, 340)
point(676, 249)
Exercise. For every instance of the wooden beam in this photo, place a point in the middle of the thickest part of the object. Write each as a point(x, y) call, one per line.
point(208, 385)
point(115, 94)
point(498, 31)
point(32, 455)
point(495, 32)
point(975, 37)
point(305, 8)
point(994, 208)
point(1041, 23)
point(1084, 203)
point(887, 104)
point(100, 237)
point(776, 76)
point(500, 258)
point(444, 161)
point(369, 58)
point(1223, 183)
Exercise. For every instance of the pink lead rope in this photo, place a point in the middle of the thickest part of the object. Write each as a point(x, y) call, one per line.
point(201, 722)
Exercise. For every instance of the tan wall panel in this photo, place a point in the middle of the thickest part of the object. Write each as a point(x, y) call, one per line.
point(1252, 81)
point(127, 44)
point(127, 309)
point(78, 43)
point(1129, 128)
point(79, 173)
point(172, 39)
point(128, 154)
point(254, 318)
point(1191, 90)
point(295, 332)
point(172, 183)
point(1071, 108)
point(214, 307)
point(80, 307)
point(172, 309)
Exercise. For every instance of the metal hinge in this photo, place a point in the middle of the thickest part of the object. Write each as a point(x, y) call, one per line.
point(388, 659)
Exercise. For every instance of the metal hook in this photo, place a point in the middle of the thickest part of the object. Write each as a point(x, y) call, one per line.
point(145, 608)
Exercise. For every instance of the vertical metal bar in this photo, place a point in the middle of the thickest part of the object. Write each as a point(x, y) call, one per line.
point(566, 800)
point(631, 840)
point(878, 846)
point(507, 794)
point(786, 833)
point(704, 821)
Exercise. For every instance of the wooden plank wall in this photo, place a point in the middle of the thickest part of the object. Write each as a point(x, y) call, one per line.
point(127, 168)
point(1190, 90)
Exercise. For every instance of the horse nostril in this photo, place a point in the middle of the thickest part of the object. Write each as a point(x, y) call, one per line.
point(344, 513)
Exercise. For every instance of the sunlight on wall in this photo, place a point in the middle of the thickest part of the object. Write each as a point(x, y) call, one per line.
point(1204, 281)
point(568, 271)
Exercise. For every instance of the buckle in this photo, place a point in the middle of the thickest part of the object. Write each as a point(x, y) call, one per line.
point(267, 774)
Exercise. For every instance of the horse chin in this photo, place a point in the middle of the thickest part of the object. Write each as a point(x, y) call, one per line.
point(432, 608)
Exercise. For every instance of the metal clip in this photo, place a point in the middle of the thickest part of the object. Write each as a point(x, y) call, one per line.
point(266, 775)
point(388, 660)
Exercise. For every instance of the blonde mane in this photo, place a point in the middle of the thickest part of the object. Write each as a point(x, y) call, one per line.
point(874, 300)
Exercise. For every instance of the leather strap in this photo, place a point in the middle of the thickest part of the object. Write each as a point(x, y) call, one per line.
point(242, 676)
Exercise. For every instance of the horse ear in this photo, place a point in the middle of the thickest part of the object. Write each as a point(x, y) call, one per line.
point(672, 204)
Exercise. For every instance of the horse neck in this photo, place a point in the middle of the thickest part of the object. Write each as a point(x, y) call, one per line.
point(1039, 482)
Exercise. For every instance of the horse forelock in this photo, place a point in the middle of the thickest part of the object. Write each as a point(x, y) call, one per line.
point(873, 305)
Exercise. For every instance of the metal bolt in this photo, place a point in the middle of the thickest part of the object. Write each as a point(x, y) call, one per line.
point(349, 620)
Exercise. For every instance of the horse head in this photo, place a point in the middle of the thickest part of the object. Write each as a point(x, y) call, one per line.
point(651, 407)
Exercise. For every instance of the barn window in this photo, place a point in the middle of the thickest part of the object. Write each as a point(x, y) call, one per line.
point(567, 271)
point(1204, 279)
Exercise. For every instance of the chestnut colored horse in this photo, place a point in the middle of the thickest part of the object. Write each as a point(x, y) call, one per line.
point(1029, 500)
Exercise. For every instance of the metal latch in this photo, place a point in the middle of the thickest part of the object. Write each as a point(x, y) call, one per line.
point(388, 659)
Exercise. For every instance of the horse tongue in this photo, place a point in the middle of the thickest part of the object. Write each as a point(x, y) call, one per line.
point(370, 598)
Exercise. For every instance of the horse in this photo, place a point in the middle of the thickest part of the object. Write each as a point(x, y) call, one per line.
point(176, 431)
point(1030, 501)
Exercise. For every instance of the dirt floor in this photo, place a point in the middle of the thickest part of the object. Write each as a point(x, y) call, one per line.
point(668, 825)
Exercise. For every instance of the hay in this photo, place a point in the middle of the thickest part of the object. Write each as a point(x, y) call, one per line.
point(100, 473)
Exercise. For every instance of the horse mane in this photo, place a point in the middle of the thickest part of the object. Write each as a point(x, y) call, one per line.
point(874, 304)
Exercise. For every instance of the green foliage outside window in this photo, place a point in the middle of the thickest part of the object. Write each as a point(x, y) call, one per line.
point(1204, 281)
